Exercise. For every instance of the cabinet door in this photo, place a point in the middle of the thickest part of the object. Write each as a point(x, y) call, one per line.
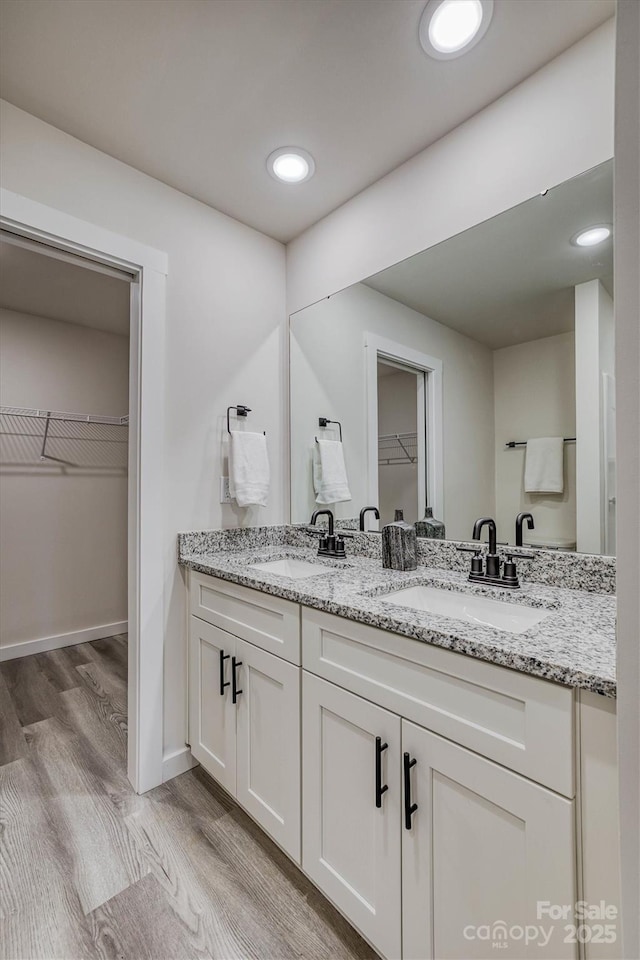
point(599, 821)
point(351, 846)
point(268, 744)
point(212, 714)
point(484, 848)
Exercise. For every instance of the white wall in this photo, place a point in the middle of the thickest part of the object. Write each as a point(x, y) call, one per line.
point(627, 293)
point(398, 413)
point(555, 125)
point(595, 342)
point(535, 397)
point(224, 337)
point(63, 549)
point(328, 379)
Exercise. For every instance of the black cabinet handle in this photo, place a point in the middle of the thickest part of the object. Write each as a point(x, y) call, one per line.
point(409, 808)
point(235, 690)
point(223, 657)
point(380, 787)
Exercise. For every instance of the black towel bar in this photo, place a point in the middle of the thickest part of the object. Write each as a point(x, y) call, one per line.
point(241, 411)
point(523, 443)
point(324, 422)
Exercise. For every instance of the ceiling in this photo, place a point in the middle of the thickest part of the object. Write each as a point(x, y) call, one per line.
point(510, 280)
point(46, 286)
point(197, 93)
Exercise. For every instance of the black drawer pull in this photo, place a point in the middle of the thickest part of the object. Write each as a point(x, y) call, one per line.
point(235, 690)
point(223, 657)
point(409, 808)
point(380, 787)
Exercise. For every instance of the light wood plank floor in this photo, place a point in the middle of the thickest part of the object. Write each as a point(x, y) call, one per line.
point(88, 869)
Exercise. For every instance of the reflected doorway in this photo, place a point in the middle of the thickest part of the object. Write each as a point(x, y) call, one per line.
point(400, 390)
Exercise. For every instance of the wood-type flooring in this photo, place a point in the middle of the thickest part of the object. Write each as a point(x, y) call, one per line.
point(88, 869)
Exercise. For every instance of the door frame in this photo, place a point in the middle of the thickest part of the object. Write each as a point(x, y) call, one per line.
point(430, 418)
point(148, 267)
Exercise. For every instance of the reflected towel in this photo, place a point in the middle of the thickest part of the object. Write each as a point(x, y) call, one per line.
point(249, 473)
point(544, 465)
point(329, 472)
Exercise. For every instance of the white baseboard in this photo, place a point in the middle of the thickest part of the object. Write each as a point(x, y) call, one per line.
point(12, 650)
point(176, 763)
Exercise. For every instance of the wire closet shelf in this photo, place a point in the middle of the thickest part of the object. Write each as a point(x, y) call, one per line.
point(397, 448)
point(34, 437)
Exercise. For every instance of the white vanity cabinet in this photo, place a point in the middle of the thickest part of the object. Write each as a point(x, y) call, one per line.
point(458, 844)
point(244, 702)
point(434, 798)
point(475, 844)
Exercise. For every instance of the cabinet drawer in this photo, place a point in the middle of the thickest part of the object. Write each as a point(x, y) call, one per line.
point(268, 622)
point(524, 723)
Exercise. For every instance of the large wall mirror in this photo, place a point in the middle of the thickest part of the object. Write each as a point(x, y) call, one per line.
point(474, 379)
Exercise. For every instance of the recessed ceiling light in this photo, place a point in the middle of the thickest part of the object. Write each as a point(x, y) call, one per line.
point(290, 165)
point(592, 235)
point(448, 28)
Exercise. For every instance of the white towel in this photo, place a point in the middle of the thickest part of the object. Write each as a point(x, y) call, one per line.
point(329, 472)
point(544, 465)
point(248, 468)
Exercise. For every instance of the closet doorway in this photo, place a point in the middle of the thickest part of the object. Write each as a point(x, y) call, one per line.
point(405, 429)
point(64, 451)
point(142, 270)
point(400, 391)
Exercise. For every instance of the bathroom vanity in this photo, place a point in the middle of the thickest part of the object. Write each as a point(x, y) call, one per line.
point(446, 783)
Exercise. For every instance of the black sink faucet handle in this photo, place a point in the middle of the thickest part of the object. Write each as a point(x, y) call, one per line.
point(510, 574)
point(476, 560)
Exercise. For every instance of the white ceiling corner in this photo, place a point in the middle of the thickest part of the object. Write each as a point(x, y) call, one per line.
point(197, 93)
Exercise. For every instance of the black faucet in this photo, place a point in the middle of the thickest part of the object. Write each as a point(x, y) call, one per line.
point(323, 513)
point(366, 510)
point(493, 560)
point(491, 574)
point(519, 521)
point(329, 545)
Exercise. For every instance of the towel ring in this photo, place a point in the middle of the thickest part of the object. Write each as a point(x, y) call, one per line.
point(241, 411)
point(324, 422)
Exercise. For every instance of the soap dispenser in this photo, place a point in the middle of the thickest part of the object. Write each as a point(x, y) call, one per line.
point(399, 544)
point(429, 526)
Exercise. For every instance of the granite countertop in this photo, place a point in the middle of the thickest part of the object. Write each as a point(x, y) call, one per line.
point(574, 645)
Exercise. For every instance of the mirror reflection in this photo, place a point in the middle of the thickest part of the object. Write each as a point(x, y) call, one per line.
point(474, 379)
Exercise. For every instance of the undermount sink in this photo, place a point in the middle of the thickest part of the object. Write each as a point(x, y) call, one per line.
point(513, 617)
point(293, 568)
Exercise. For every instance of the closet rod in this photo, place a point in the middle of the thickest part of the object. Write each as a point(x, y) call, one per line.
point(57, 415)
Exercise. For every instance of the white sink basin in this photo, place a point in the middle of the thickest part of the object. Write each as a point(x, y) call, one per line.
point(293, 568)
point(513, 617)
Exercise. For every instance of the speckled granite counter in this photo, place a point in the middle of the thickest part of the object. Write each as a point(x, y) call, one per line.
point(574, 645)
